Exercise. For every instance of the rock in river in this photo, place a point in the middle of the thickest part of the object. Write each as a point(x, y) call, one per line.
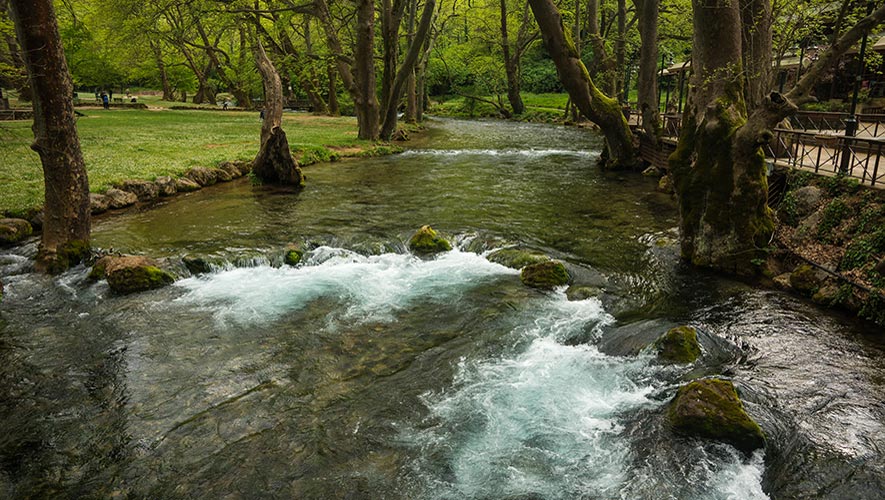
point(710, 408)
point(130, 273)
point(427, 241)
point(679, 345)
point(546, 275)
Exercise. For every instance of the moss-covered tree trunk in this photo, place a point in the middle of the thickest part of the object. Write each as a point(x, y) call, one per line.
point(66, 218)
point(719, 167)
point(274, 163)
point(602, 110)
point(720, 177)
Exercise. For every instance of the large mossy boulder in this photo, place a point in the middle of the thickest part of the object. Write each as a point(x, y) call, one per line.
point(427, 241)
point(711, 409)
point(130, 273)
point(294, 254)
point(805, 279)
point(678, 345)
point(545, 275)
point(515, 258)
point(13, 231)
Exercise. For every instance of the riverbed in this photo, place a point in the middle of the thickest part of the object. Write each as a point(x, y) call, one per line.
point(367, 372)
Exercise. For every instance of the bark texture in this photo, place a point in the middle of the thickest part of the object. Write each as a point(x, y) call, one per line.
point(596, 106)
point(647, 85)
point(720, 178)
point(274, 163)
point(511, 65)
point(66, 223)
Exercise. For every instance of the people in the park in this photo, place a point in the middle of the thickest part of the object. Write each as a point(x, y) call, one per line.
point(105, 100)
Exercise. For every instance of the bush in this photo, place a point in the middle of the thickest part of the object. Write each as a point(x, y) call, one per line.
point(863, 250)
point(834, 213)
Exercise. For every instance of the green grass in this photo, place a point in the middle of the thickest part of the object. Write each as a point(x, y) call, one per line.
point(144, 144)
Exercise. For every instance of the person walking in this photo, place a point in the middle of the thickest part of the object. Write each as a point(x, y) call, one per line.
point(105, 100)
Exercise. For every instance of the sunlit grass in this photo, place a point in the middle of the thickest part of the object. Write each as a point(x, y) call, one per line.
point(145, 144)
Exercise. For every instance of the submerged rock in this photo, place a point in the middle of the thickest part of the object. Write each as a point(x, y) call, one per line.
point(545, 275)
point(13, 231)
point(804, 279)
point(294, 254)
point(711, 409)
point(130, 273)
point(202, 176)
point(576, 293)
point(98, 203)
point(665, 185)
point(144, 190)
point(196, 265)
point(118, 198)
point(515, 258)
point(165, 185)
point(679, 345)
point(232, 169)
point(222, 175)
point(185, 185)
point(427, 241)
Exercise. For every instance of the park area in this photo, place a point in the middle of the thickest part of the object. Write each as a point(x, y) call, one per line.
point(141, 144)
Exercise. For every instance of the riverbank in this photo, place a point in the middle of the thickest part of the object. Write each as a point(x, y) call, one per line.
point(830, 243)
point(121, 145)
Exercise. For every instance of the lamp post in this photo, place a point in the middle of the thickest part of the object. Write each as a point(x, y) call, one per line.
point(851, 121)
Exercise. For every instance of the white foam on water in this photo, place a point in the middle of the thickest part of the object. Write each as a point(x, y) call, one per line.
point(372, 288)
point(543, 422)
point(739, 479)
point(531, 153)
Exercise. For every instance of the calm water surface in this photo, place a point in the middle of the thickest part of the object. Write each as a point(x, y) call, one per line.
point(369, 373)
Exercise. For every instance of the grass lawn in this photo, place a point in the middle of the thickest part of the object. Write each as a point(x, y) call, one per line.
point(144, 144)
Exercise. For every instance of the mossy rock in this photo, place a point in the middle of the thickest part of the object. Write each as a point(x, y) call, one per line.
point(804, 279)
point(13, 231)
point(545, 275)
point(196, 265)
point(515, 258)
point(711, 409)
point(293, 257)
point(576, 293)
point(679, 345)
point(427, 241)
point(129, 274)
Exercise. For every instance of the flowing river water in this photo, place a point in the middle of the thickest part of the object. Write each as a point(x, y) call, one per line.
point(369, 373)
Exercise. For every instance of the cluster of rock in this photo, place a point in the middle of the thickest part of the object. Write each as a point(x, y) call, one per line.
point(707, 408)
point(129, 192)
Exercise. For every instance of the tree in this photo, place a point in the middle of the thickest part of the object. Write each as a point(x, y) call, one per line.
point(274, 162)
point(66, 221)
point(647, 85)
point(602, 110)
point(718, 167)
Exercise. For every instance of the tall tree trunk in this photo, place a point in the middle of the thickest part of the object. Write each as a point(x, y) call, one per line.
point(596, 106)
point(66, 219)
point(313, 88)
point(274, 163)
point(724, 218)
point(718, 166)
point(510, 65)
point(411, 115)
point(168, 95)
point(647, 85)
point(21, 82)
point(389, 117)
point(756, 32)
point(366, 101)
point(620, 52)
point(333, 91)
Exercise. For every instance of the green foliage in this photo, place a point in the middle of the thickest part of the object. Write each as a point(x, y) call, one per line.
point(840, 185)
point(786, 211)
point(864, 250)
point(799, 178)
point(834, 213)
point(874, 309)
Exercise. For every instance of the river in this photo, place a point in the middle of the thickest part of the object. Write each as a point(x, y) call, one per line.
point(369, 373)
